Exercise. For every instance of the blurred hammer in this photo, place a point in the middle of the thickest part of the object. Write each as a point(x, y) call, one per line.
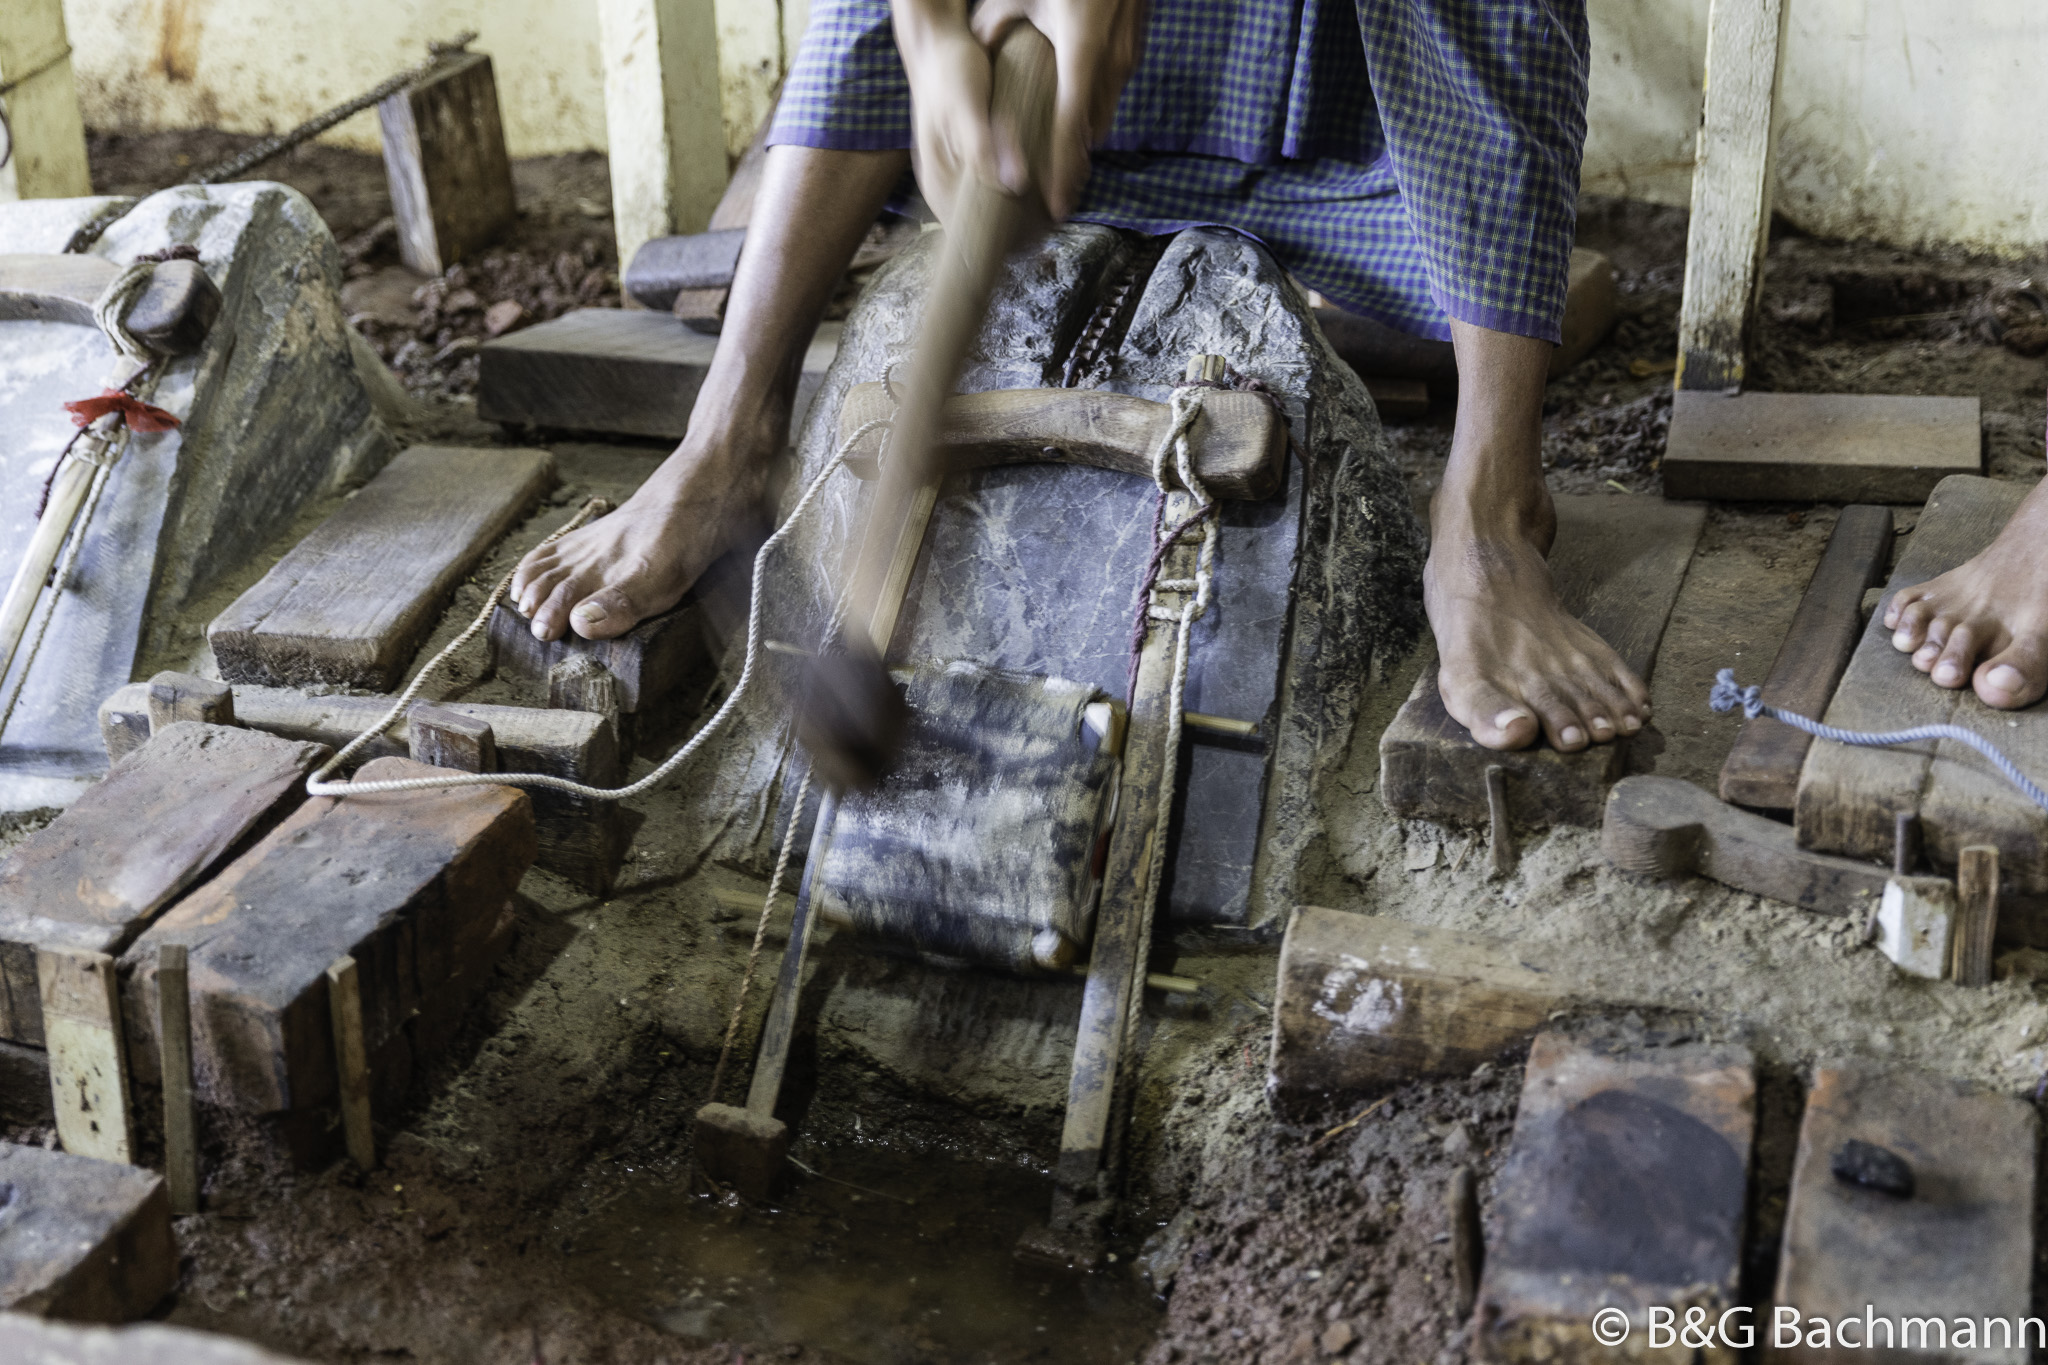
point(851, 718)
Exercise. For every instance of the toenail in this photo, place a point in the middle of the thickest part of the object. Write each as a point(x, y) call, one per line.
point(591, 612)
point(1507, 718)
point(1573, 735)
point(2006, 678)
point(1946, 672)
point(1601, 724)
point(1631, 724)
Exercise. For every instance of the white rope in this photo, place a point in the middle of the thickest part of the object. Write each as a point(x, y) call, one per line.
point(111, 310)
point(318, 785)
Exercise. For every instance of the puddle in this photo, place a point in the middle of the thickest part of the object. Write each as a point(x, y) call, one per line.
point(864, 1274)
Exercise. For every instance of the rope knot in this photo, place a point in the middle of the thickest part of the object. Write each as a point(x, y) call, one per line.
point(1727, 694)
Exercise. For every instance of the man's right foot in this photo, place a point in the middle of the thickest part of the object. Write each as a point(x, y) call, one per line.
point(1511, 663)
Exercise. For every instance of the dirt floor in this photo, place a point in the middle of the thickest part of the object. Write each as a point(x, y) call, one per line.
point(537, 1202)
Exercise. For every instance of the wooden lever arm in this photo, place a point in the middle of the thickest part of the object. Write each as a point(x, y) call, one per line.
point(172, 314)
point(1239, 443)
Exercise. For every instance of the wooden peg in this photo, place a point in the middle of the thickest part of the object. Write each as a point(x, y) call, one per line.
point(1976, 914)
point(1905, 843)
point(174, 1040)
point(88, 1066)
point(1503, 834)
point(1207, 368)
point(351, 1062)
point(448, 738)
point(581, 683)
point(187, 696)
point(1468, 1246)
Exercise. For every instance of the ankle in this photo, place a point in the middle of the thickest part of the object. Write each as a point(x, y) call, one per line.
point(1493, 508)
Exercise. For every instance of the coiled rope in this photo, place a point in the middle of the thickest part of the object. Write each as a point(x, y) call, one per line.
point(1727, 694)
point(319, 785)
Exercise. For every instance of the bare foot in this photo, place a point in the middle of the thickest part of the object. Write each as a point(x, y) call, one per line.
point(1985, 623)
point(1512, 664)
point(603, 579)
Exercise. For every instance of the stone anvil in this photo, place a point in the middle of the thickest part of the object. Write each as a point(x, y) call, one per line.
point(277, 406)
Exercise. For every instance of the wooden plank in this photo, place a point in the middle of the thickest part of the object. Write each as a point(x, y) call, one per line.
point(1976, 914)
point(351, 602)
point(1762, 769)
point(413, 885)
point(1849, 799)
point(1960, 1248)
point(1624, 1186)
point(95, 877)
point(88, 1064)
point(351, 1061)
point(1731, 193)
point(1366, 1002)
point(1662, 827)
point(662, 115)
point(184, 696)
point(630, 372)
point(1618, 565)
point(444, 156)
point(43, 120)
point(174, 1047)
point(1819, 447)
point(83, 1239)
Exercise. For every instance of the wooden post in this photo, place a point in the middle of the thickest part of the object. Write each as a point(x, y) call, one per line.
point(1468, 1243)
point(1976, 914)
point(1500, 832)
point(444, 155)
point(1731, 193)
point(351, 1063)
point(663, 120)
point(48, 161)
point(88, 1066)
point(174, 1042)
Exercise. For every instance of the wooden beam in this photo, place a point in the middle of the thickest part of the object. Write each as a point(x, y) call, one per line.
point(1819, 447)
point(1731, 193)
point(663, 117)
point(88, 1059)
point(1367, 1002)
point(49, 159)
point(1618, 565)
point(351, 602)
point(1625, 1185)
point(85, 1240)
point(174, 1051)
point(98, 874)
point(1960, 1247)
point(1762, 769)
point(444, 156)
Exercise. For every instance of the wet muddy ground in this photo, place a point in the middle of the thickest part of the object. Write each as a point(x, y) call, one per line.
point(537, 1202)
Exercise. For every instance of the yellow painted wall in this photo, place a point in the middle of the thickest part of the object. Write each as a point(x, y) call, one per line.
point(1902, 120)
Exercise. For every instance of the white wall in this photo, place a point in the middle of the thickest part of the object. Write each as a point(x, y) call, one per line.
point(1904, 120)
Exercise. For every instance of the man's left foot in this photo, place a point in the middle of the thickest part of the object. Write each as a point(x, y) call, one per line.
point(1984, 624)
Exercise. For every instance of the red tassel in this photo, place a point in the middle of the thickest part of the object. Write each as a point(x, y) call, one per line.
point(138, 415)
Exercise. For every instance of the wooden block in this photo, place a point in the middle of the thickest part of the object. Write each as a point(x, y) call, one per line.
point(1397, 400)
point(1849, 799)
point(1818, 447)
point(665, 266)
point(1976, 914)
point(1592, 305)
point(648, 662)
point(1618, 565)
point(409, 884)
point(581, 683)
point(52, 1343)
point(444, 738)
point(351, 1061)
point(750, 1150)
point(184, 696)
point(25, 1086)
point(124, 721)
point(444, 156)
point(1662, 827)
point(171, 313)
point(1624, 1185)
point(351, 602)
point(95, 877)
point(631, 372)
point(1762, 769)
point(82, 1239)
point(174, 1049)
point(1916, 925)
point(1959, 1250)
point(1367, 1002)
point(88, 1063)
point(1731, 194)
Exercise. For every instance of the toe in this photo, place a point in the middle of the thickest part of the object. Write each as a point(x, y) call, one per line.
point(1562, 725)
point(2015, 677)
point(1957, 657)
point(549, 618)
point(604, 615)
point(1895, 609)
point(1495, 718)
point(537, 565)
point(1909, 624)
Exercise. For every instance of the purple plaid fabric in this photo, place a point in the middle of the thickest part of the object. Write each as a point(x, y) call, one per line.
point(1414, 160)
